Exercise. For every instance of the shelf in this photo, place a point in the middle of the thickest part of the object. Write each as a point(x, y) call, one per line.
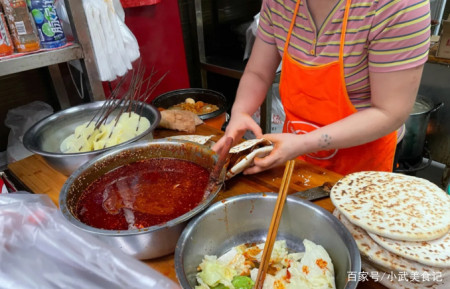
point(40, 59)
point(225, 66)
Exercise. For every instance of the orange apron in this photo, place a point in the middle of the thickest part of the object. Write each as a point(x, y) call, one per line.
point(315, 96)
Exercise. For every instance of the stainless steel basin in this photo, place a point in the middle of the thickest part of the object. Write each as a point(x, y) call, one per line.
point(246, 219)
point(150, 242)
point(46, 136)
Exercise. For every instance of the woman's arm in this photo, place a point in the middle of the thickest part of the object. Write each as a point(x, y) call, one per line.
point(256, 80)
point(393, 95)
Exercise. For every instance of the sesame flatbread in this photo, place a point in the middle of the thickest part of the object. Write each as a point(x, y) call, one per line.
point(200, 139)
point(248, 144)
point(393, 281)
point(384, 259)
point(393, 205)
point(433, 253)
point(243, 154)
point(247, 161)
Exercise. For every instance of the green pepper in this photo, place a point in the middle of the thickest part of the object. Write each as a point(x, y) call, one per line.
point(242, 282)
point(220, 286)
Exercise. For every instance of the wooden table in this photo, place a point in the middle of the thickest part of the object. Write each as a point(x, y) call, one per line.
point(40, 178)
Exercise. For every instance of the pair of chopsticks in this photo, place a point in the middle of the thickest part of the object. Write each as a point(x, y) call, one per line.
point(274, 224)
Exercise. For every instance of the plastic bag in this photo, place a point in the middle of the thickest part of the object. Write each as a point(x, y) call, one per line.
point(19, 120)
point(40, 249)
point(115, 47)
point(250, 36)
point(60, 7)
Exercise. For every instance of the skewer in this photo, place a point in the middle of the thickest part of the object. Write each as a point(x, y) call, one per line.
point(132, 100)
point(274, 224)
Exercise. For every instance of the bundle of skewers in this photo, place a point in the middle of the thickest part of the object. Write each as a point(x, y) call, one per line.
point(120, 117)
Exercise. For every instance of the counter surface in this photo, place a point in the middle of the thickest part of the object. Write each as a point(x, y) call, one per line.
point(40, 178)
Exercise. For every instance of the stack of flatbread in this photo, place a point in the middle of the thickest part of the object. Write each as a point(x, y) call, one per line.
point(401, 225)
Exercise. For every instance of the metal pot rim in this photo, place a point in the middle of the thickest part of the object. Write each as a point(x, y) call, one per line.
point(426, 101)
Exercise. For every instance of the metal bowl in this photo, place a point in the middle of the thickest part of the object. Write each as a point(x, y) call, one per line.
point(246, 219)
point(150, 242)
point(45, 137)
point(171, 98)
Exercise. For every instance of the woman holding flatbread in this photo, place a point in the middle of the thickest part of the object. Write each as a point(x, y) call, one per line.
point(350, 75)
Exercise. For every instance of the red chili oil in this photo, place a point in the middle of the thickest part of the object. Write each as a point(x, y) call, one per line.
point(143, 194)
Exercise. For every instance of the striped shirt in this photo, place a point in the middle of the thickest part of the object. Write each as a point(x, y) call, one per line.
point(382, 36)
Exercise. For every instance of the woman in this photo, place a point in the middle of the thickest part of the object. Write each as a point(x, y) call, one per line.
point(346, 87)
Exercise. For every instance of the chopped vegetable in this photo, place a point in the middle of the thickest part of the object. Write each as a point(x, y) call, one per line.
point(242, 282)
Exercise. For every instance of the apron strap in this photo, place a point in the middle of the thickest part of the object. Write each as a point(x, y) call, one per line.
point(343, 30)
point(342, 43)
point(288, 37)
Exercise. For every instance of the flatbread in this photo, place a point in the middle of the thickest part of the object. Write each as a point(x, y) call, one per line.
point(200, 139)
point(243, 154)
point(248, 144)
point(433, 253)
point(248, 160)
point(396, 282)
point(382, 258)
point(393, 205)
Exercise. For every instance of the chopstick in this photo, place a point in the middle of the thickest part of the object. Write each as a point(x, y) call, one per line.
point(274, 224)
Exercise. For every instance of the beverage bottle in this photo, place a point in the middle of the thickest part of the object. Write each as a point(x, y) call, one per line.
point(20, 25)
point(6, 45)
point(48, 23)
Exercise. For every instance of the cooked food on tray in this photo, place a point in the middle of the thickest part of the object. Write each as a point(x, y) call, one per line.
point(197, 107)
point(142, 194)
point(238, 268)
point(88, 138)
point(401, 225)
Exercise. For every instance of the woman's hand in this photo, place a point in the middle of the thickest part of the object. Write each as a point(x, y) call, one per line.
point(236, 128)
point(287, 146)
point(257, 78)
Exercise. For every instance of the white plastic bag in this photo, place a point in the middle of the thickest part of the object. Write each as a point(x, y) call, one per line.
point(115, 47)
point(60, 7)
point(250, 35)
point(40, 249)
point(19, 120)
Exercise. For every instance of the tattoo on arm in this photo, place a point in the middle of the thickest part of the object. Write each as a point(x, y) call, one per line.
point(324, 141)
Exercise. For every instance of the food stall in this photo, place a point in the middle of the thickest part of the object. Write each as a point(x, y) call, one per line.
point(35, 174)
point(48, 171)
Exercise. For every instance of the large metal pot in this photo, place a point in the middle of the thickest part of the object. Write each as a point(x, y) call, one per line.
point(45, 137)
point(246, 219)
point(150, 242)
point(416, 129)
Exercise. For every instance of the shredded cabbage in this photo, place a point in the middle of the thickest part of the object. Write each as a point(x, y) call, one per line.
point(238, 268)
